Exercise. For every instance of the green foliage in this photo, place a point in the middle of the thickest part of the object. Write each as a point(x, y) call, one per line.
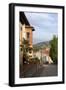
point(35, 60)
point(25, 49)
point(25, 46)
point(35, 48)
point(54, 49)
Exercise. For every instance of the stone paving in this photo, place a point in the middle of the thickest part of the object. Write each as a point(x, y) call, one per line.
point(47, 70)
point(44, 70)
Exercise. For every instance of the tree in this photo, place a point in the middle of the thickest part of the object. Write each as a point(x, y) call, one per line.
point(35, 48)
point(54, 49)
point(25, 49)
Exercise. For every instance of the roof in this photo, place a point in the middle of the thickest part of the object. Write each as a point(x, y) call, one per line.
point(24, 20)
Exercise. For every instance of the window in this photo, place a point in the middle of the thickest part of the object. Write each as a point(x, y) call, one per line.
point(28, 35)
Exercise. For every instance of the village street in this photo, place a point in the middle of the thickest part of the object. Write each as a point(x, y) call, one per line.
point(38, 55)
point(43, 71)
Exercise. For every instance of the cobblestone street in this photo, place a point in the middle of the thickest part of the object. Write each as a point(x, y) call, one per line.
point(44, 70)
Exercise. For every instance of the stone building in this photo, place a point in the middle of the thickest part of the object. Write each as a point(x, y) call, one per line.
point(26, 32)
point(44, 55)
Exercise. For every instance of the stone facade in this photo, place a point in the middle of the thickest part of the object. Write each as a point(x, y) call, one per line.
point(43, 55)
point(27, 34)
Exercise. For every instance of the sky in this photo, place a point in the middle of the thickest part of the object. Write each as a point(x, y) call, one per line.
point(45, 25)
